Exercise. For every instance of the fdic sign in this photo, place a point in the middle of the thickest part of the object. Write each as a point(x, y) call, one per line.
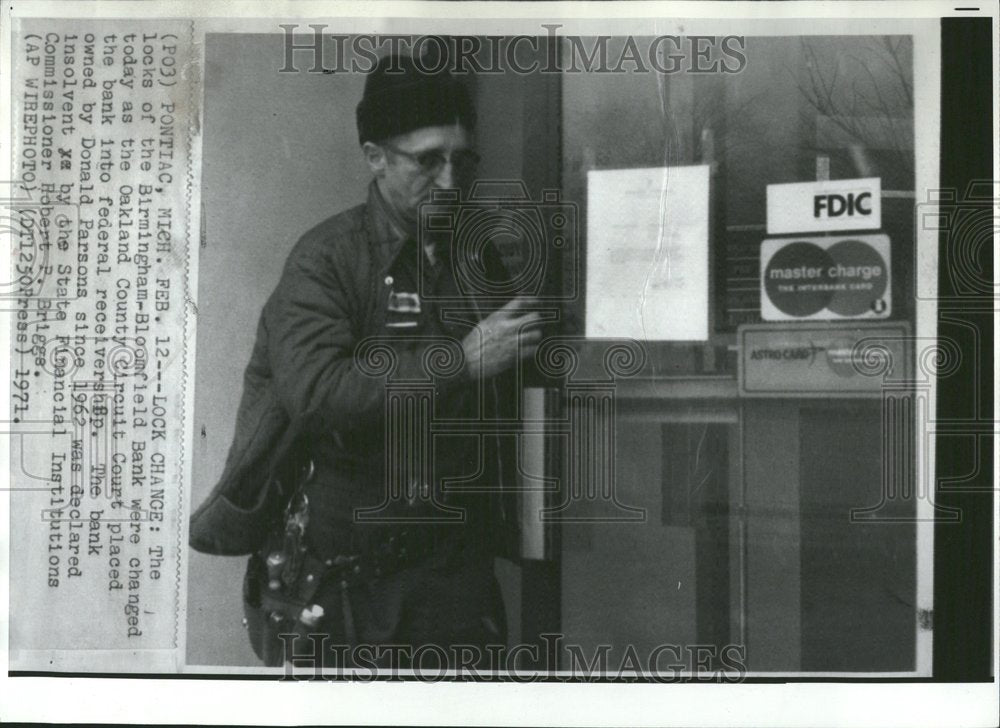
point(816, 278)
point(812, 207)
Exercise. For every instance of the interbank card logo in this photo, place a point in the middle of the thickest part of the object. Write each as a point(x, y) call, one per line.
point(844, 277)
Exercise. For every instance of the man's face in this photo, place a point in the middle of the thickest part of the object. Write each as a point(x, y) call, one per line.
point(410, 165)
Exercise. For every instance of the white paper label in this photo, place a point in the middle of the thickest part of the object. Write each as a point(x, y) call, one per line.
point(806, 207)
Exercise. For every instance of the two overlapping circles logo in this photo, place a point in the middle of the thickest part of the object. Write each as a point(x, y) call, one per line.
point(848, 279)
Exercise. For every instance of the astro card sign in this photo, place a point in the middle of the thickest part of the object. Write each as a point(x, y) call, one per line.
point(825, 278)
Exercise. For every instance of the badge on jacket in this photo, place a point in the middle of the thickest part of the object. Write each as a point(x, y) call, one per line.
point(404, 303)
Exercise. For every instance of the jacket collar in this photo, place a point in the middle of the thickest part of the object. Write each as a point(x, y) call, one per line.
point(385, 230)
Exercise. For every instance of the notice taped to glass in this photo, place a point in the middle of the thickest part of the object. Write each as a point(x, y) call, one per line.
point(390, 349)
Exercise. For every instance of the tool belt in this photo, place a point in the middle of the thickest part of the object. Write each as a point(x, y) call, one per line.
point(286, 585)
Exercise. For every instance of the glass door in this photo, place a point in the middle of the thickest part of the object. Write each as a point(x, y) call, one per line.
point(764, 516)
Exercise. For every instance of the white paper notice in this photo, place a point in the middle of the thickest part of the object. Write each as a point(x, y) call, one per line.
point(647, 253)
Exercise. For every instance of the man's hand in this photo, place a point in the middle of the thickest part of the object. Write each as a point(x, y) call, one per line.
point(504, 337)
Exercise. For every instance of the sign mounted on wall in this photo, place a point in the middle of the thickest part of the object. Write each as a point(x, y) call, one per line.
point(823, 360)
point(812, 207)
point(842, 277)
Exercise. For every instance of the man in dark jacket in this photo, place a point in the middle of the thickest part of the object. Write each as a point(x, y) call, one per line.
point(396, 376)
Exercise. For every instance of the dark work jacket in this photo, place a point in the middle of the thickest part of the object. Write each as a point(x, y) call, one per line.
point(327, 354)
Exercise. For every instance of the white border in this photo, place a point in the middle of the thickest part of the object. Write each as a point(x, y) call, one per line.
point(927, 145)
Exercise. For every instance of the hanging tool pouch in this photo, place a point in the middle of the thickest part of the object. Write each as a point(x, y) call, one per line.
point(290, 593)
point(278, 612)
point(281, 585)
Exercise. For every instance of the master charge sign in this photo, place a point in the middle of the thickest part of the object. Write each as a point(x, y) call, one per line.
point(842, 277)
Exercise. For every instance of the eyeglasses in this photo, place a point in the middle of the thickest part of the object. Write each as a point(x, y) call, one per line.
point(433, 160)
